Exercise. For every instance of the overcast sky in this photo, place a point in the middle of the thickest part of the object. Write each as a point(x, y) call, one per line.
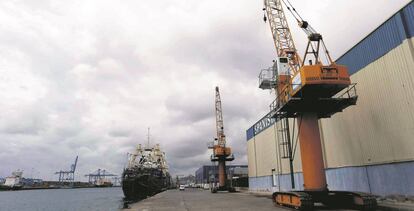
point(88, 77)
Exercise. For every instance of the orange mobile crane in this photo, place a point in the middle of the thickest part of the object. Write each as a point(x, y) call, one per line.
point(221, 153)
point(306, 93)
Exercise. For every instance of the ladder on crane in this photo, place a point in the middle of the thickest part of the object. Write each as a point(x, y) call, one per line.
point(286, 150)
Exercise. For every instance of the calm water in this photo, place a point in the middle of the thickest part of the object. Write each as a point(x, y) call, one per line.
point(62, 199)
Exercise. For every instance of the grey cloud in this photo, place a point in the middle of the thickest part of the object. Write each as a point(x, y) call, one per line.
point(224, 48)
point(25, 121)
point(189, 108)
point(120, 133)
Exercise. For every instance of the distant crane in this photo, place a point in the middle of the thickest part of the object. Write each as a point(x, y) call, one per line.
point(98, 175)
point(68, 176)
point(221, 153)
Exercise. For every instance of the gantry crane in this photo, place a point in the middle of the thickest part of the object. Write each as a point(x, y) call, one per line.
point(221, 153)
point(68, 176)
point(306, 93)
point(98, 177)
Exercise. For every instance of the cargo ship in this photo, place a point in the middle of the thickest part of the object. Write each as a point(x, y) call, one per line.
point(146, 173)
point(13, 182)
point(103, 183)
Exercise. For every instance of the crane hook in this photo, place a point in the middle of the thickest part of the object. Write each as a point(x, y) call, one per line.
point(264, 15)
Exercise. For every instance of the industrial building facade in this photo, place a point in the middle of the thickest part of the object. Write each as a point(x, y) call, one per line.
point(207, 173)
point(368, 147)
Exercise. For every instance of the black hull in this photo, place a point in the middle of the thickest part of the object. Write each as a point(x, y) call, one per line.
point(3, 187)
point(139, 184)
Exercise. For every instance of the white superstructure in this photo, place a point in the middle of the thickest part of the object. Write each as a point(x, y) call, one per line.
point(14, 180)
point(148, 158)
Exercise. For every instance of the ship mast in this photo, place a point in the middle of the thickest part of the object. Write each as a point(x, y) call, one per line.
point(148, 138)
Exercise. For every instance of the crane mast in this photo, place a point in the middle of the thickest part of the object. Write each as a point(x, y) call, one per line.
point(306, 92)
point(221, 138)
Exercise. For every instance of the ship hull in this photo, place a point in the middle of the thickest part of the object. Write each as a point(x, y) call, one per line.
point(5, 187)
point(141, 183)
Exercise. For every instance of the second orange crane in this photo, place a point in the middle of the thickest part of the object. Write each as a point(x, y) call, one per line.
point(221, 153)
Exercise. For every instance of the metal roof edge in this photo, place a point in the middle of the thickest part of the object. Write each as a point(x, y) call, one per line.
point(369, 34)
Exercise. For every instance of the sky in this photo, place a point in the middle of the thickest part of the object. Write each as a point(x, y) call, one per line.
point(89, 77)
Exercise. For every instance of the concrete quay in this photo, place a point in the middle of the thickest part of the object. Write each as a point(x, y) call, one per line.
point(196, 199)
point(200, 200)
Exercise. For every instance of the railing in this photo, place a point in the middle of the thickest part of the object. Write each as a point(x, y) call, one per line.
point(349, 92)
point(210, 145)
point(286, 94)
point(267, 78)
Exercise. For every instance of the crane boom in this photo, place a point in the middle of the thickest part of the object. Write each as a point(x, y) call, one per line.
point(221, 138)
point(73, 167)
point(282, 38)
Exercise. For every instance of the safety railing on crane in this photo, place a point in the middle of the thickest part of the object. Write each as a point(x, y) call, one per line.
point(349, 92)
point(268, 78)
point(285, 96)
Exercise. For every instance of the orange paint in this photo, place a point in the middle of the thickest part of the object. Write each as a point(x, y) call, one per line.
point(311, 152)
point(222, 173)
point(283, 89)
point(287, 199)
point(331, 76)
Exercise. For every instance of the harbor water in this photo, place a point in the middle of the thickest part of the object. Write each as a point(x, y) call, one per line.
point(62, 199)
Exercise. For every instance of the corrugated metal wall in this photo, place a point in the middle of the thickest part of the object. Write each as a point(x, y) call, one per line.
point(380, 128)
point(251, 158)
point(263, 154)
point(384, 179)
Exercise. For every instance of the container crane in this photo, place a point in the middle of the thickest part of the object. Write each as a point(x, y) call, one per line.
point(68, 176)
point(306, 93)
point(98, 176)
point(221, 153)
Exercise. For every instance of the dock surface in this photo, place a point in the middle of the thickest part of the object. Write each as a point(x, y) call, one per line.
point(195, 199)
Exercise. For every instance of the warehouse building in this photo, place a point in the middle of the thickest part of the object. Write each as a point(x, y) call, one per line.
point(368, 147)
point(206, 174)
